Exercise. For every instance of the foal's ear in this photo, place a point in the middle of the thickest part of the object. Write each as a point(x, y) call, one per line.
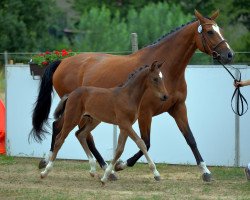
point(215, 15)
point(153, 66)
point(159, 65)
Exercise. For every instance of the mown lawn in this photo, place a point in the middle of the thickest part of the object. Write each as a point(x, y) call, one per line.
point(19, 179)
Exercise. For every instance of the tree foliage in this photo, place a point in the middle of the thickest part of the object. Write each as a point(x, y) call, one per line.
point(37, 25)
point(29, 25)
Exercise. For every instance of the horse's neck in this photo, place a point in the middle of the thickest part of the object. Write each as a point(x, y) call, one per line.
point(175, 49)
point(135, 88)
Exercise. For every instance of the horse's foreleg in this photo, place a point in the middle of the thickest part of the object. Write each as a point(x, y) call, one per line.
point(145, 126)
point(179, 113)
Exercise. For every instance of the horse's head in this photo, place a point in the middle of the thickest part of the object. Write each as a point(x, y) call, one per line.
point(210, 40)
point(155, 81)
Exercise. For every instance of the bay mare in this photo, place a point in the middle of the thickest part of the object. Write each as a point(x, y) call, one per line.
point(118, 105)
point(106, 70)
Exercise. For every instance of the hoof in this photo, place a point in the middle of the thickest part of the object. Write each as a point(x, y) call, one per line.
point(157, 178)
point(103, 183)
point(118, 166)
point(42, 164)
point(112, 177)
point(92, 174)
point(43, 175)
point(207, 177)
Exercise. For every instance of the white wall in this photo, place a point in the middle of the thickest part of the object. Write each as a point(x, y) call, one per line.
point(210, 117)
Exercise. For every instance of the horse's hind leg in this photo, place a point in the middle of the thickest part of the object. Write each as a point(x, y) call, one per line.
point(179, 113)
point(120, 147)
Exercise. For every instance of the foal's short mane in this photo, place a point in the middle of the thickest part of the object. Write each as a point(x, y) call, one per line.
point(132, 75)
point(171, 32)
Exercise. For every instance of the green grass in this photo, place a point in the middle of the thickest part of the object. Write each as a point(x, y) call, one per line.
point(20, 179)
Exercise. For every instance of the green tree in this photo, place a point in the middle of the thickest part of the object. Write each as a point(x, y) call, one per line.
point(29, 25)
point(155, 20)
point(101, 32)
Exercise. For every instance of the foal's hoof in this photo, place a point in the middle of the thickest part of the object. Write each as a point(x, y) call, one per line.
point(207, 177)
point(157, 178)
point(112, 177)
point(119, 166)
point(43, 175)
point(92, 174)
point(42, 164)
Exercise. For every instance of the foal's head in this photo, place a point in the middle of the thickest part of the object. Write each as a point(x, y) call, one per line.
point(210, 40)
point(155, 81)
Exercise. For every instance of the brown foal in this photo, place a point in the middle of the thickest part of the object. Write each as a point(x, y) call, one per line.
point(118, 105)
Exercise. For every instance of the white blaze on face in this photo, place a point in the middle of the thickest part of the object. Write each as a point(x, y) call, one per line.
point(160, 74)
point(217, 30)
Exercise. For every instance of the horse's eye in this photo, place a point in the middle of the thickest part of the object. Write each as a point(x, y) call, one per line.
point(210, 32)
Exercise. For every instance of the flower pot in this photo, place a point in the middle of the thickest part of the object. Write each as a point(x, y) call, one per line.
point(36, 71)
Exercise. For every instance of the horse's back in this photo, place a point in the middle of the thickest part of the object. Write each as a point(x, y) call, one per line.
point(92, 69)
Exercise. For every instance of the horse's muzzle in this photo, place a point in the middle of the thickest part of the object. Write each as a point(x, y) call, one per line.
point(225, 57)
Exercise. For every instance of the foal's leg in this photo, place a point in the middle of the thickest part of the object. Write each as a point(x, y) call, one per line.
point(55, 131)
point(140, 143)
point(179, 113)
point(60, 138)
point(81, 136)
point(91, 145)
point(119, 149)
point(58, 143)
point(144, 122)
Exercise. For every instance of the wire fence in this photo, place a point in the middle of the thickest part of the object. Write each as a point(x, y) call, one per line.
point(198, 58)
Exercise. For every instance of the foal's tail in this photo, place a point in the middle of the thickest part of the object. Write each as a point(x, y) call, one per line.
point(61, 107)
point(43, 103)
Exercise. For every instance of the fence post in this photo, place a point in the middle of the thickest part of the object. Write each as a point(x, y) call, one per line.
point(134, 42)
point(5, 57)
point(237, 131)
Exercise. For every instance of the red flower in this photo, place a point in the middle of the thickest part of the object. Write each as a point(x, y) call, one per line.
point(45, 62)
point(64, 52)
point(57, 52)
point(47, 52)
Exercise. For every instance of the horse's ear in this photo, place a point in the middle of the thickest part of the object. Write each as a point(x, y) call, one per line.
point(215, 15)
point(152, 68)
point(198, 15)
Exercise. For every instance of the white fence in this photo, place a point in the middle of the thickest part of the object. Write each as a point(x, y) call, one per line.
point(210, 117)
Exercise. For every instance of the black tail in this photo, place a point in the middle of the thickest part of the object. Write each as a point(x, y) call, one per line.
point(43, 103)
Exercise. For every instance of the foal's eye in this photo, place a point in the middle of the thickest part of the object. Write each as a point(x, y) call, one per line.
point(210, 32)
point(156, 80)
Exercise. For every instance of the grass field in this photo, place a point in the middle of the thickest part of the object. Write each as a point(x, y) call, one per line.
point(19, 179)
